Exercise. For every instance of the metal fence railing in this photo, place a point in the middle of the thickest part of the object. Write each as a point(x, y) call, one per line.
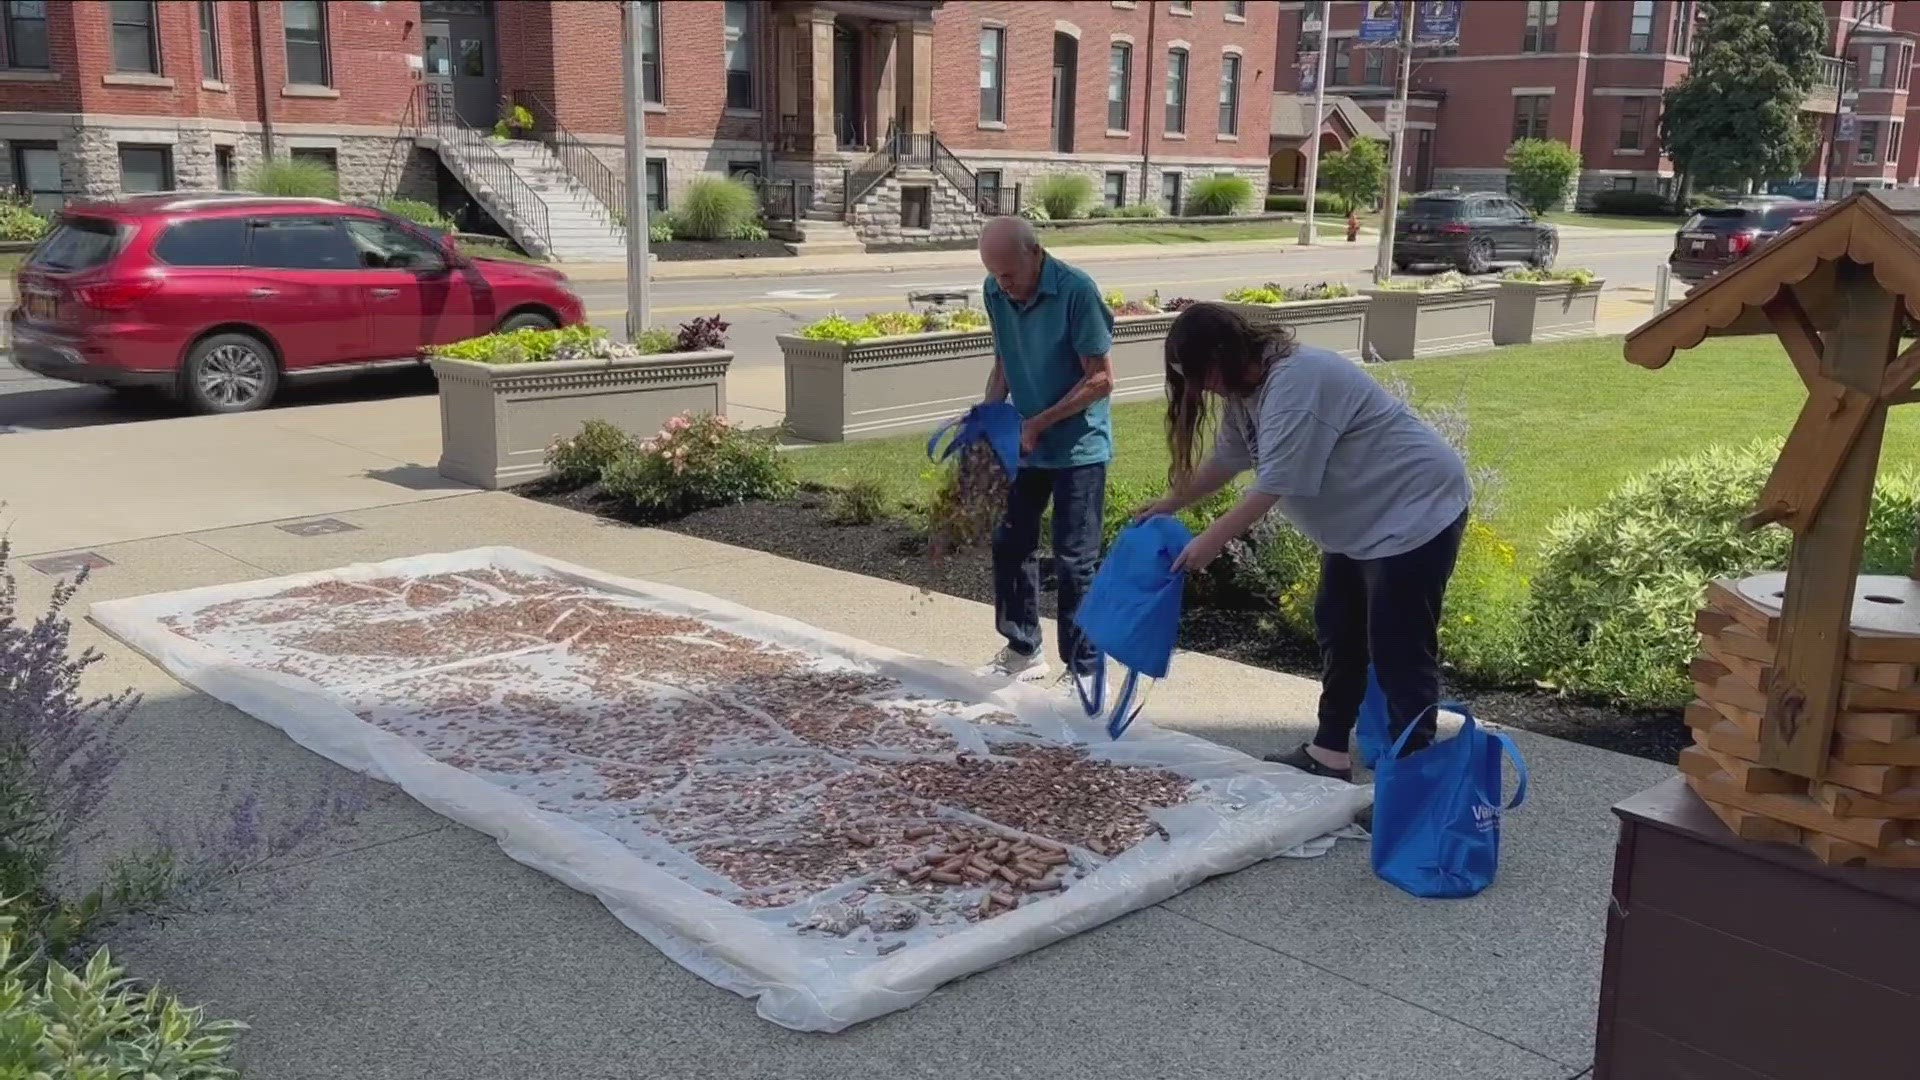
point(576, 156)
point(488, 170)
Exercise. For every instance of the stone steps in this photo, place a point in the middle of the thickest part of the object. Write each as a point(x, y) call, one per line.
point(579, 228)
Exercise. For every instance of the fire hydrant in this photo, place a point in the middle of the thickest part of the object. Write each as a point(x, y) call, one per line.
point(1353, 227)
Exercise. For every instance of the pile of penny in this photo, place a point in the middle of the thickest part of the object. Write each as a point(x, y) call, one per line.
point(1004, 868)
point(968, 506)
point(1055, 792)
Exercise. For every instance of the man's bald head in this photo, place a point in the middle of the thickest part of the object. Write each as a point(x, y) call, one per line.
point(1010, 250)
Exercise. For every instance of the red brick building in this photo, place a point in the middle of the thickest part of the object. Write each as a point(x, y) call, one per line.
point(1590, 73)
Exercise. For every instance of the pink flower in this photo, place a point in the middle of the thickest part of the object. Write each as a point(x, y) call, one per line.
point(678, 423)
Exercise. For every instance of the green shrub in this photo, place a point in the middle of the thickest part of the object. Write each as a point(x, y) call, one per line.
point(1451, 281)
point(716, 208)
point(1227, 193)
point(420, 213)
point(1035, 212)
point(1701, 200)
point(1630, 202)
point(519, 346)
point(862, 502)
point(1101, 210)
point(1611, 609)
point(20, 221)
point(1323, 203)
point(1275, 293)
point(1541, 171)
point(1579, 276)
point(660, 227)
point(1140, 210)
point(1063, 195)
point(1357, 174)
point(697, 461)
point(579, 459)
point(294, 178)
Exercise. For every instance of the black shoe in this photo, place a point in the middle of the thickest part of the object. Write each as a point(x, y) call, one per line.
point(1307, 763)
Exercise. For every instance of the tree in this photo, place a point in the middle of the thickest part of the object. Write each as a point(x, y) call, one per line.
point(1736, 117)
point(1541, 170)
point(1357, 174)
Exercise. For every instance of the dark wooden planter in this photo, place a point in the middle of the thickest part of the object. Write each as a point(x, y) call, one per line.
point(1729, 960)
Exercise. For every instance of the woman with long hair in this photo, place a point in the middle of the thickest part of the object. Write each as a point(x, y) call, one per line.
point(1355, 471)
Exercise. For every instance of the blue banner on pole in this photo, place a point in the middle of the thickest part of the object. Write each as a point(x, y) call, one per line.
point(1381, 23)
point(1437, 22)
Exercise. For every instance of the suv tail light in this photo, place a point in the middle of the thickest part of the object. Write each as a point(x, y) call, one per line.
point(1740, 243)
point(117, 295)
point(1456, 229)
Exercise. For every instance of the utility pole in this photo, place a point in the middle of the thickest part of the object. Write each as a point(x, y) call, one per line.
point(1846, 28)
point(639, 317)
point(1309, 231)
point(1383, 266)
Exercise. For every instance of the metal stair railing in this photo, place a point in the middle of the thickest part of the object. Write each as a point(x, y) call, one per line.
point(576, 156)
point(872, 171)
point(487, 167)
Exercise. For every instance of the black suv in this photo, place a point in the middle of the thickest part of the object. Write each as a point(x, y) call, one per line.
point(1471, 231)
point(1715, 239)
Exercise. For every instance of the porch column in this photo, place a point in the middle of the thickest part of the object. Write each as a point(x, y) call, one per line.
point(820, 41)
point(886, 67)
point(788, 40)
point(918, 80)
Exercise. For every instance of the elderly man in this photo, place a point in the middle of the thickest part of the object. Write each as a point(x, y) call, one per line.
point(1051, 335)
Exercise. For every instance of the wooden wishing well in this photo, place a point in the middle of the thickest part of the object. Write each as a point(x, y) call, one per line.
point(1806, 726)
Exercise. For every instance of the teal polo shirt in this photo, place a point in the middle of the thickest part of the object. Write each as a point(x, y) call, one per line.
point(1041, 344)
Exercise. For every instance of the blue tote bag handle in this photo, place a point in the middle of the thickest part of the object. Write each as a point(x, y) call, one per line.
point(1125, 711)
point(1507, 747)
point(1512, 753)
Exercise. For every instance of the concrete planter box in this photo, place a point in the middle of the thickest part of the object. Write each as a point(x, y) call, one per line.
point(914, 382)
point(1528, 311)
point(1340, 325)
point(496, 420)
point(1411, 325)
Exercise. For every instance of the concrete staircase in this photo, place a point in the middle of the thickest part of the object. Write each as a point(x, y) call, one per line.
point(579, 228)
point(823, 233)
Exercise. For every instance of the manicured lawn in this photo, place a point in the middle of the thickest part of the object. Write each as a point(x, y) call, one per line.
point(1169, 231)
point(1562, 424)
point(1615, 221)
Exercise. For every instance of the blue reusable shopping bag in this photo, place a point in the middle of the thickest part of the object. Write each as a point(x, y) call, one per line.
point(1132, 613)
point(1370, 733)
point(1436, 812)
point(998, 422)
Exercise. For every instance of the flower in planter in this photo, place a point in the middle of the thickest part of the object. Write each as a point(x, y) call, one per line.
point(1118, 303)
point(1579, 277)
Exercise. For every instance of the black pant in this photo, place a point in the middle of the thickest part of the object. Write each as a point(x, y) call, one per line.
point(1387, 611)
point(1078, 495)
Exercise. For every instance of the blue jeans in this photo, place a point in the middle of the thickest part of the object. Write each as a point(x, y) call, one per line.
point(1079, 500)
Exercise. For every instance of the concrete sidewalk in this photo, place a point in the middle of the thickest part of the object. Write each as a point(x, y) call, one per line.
point(412, 948)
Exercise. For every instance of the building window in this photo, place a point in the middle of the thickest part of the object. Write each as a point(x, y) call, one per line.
point(36, 175)
point(916, 207)
point(1633, 118)
point(1876, 67)
point(27, 34)
point(1626, 183)
point(1170, 193)
point(1867, 147)
point(1530, 112)
point(306, 34)
point(326, 157)
point(135, 49)
point(1342, 66)
point(1119, 85)
point(1543, 24)
point(1184, 7)
point(1375, 67)
point(993, 72)
point(1229, 94)
point(1893, 140)
point(145, 168)
point(1640, 31)
point(657, 184)
point(1904, 68)
point(1176, 91)
point(209, 42)
point(739, 56)
point(986, 192)
point(1236, 9)
point(1677, 35)
point(223, 168)
point(1115, 190)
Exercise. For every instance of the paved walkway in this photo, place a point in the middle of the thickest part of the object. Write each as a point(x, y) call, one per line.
point(414, 949)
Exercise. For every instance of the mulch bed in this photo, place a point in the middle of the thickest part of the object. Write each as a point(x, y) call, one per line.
point(800, 529)
point(695, 250)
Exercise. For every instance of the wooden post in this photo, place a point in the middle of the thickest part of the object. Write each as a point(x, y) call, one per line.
point(1816, 615)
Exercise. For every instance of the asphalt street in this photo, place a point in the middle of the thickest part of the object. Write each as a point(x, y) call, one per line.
point(760, 308)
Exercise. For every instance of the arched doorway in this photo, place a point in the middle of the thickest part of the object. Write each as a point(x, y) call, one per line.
point(1066, 75)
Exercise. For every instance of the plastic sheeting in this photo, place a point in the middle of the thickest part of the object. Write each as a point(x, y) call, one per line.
point(699, 766)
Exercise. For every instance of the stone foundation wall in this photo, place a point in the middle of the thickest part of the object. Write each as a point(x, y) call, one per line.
point(877, 219)
point(1580, 193)
point(1025, 171)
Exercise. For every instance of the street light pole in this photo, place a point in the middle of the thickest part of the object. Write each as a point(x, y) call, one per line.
point(1309, 232)
point(1383, 265)
point(639, 316)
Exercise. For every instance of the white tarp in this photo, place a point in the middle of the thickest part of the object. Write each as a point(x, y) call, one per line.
point(686, 760)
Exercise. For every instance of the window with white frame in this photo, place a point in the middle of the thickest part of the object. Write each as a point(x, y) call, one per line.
point(1866, 147)
point(1543, 25)
point(1176, 92)
point(656, 184)
point(1894, 130)
point(986, 191)
point(1633, 121)
point(993, 72)
point(1236, 9)
point(1530, 115)
point(1171, 193)
point(1114, 190)
point(1119, 84)
point(209, 40)
point(36, 175)
point(650, 88)
point(1682, 30)
point(1230, 94)
point(145, 168)
point(739, 47)
point(1876, 66)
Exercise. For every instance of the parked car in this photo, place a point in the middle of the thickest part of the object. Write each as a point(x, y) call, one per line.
point(1471, 231)
point(1714, 239)
point(220, 298)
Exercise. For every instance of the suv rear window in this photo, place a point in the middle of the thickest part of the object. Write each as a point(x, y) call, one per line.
point(1437, 209)
point(214, 241)
point(77, 243)
point(1724, 219)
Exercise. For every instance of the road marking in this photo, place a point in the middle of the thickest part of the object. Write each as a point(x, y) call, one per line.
point(801, 294)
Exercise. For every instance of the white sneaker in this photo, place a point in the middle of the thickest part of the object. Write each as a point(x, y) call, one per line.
point(1012, 666)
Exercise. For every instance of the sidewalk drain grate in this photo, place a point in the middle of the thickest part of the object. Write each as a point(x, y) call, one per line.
point(62, 565)
point(317, 527)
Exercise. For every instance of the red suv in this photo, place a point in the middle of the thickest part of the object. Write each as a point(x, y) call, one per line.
point(220, 297)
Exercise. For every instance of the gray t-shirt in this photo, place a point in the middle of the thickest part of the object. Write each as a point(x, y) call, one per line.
point(1354, 469)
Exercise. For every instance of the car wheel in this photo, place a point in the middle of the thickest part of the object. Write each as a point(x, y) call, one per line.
point(1546, 247)
point(229, 373)
point(525, 320)
point(1479, 257)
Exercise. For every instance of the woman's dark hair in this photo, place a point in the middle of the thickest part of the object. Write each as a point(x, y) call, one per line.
point(1211, 347)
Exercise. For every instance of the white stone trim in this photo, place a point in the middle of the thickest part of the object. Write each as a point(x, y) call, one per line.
point(1176, 43)
point(1126, 39)
point(136, 78)
point(1422, 125)
point(1100, 159)
point(29, 75)
point(146, 137)
point(1665, 58)
point(1626, 91)
point(312, 142)
point(1532, 91)
point(1062, 26)
point(1234, 50)
point(306, 90)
